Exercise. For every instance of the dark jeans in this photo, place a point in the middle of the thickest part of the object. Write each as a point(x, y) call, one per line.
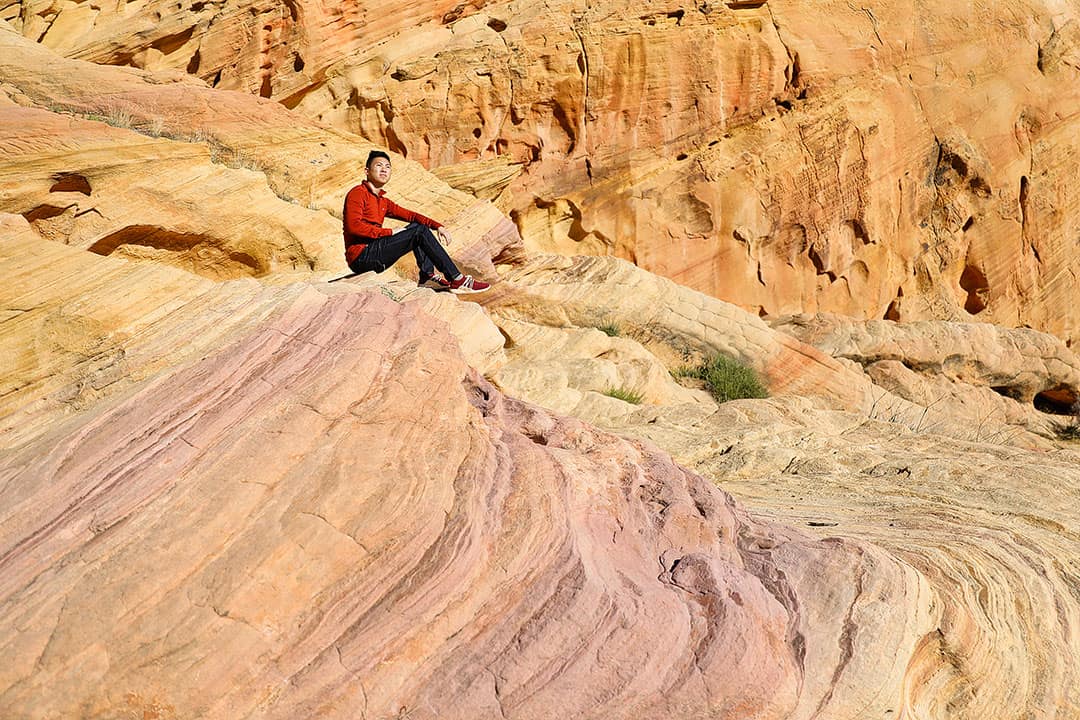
point(385, 251)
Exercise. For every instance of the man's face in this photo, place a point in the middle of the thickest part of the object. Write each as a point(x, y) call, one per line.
point(378, 171)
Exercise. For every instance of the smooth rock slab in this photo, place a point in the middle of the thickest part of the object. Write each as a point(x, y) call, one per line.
point(333, 516)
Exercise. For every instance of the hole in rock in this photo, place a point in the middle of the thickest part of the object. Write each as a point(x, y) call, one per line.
point(193, 63)
point(496, 24)
point(1007, 391)
point(957, 163)
point(973, 281)
point(858, 231)
point(43, 212)
point(893, 311)
point(476, 133)
point(1058, 401)
point(681, 156)
point(266, 90)
point(968, 223)
point(454, 14)
point(70, 182)
point(950, 166)
point(198, 253)
point(537, 437)
point(171, 43)
point(818, 260)
point(298, 63)
point(980, 187)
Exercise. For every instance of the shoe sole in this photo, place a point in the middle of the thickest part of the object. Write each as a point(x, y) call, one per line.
point(467, 291)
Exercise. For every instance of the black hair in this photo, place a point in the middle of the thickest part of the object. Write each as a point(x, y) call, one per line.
point(375, 155)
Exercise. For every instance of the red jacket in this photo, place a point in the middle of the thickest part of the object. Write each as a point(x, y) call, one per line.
point(363, 216)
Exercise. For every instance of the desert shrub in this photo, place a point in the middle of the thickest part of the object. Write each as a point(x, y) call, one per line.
point(609, 328)
point(625, 394)
point(725, 378)
point(1070, 430)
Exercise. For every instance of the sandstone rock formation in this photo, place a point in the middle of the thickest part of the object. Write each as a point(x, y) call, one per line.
point(210, 181)
point(931, 470)
point(958, 364)
point(878, 160)
point(230, 488)
point(272, 529)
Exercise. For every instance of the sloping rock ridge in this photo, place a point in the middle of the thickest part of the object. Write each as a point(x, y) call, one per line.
point(234, 484)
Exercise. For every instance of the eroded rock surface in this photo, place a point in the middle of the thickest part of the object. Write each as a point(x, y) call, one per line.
point(220, 183)
point(230, 488)
point(330, 514)
point(878, 160)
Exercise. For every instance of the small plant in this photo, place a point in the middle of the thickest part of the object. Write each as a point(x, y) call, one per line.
point(625, 394)
point(609, 328)
point(725, 378)
point(389, 293)
point(686, 371)
point(1070, 431)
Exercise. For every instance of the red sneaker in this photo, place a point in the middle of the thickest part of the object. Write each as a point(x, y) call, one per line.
point(467, 284)
point(435, 282)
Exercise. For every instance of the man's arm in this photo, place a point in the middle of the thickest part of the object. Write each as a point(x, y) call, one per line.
point(356, 213)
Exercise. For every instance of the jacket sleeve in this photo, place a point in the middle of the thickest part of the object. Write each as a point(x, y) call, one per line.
point(396, 211)
point(354, 217)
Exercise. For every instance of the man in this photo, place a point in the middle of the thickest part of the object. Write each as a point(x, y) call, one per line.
point(371, 247)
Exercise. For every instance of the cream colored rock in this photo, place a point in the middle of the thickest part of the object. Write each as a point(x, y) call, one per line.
point(575, 370)
point(976, 369)
point(310, 506)
point(875, 160)
point(79, 329)
point(989, 525)
point(837, 158)
point(677, 324)
point(211, 181)
point(211, 499)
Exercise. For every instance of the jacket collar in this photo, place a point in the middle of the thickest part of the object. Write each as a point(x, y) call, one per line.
point(377, 193)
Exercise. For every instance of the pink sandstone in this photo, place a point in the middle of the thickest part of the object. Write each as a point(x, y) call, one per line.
point(241, 536)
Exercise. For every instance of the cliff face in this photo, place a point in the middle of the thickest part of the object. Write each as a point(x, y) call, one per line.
point(232, 486)
point(877, 161)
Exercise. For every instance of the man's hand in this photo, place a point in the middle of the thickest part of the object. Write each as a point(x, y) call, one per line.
point(444, 236)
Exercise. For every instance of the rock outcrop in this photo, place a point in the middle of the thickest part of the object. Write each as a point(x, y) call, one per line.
point(876, 161)
point(232, 486)
point(330, 514)
point(218, 183)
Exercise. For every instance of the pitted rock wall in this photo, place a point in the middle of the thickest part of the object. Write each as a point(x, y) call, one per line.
point(887, 160)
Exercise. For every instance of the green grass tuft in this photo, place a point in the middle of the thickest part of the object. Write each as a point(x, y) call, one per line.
point(625, 394)
point(611, 329)
point(1069, 432)
point(725, 378)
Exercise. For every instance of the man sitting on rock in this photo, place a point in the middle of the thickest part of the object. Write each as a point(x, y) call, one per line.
point(371, 247)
